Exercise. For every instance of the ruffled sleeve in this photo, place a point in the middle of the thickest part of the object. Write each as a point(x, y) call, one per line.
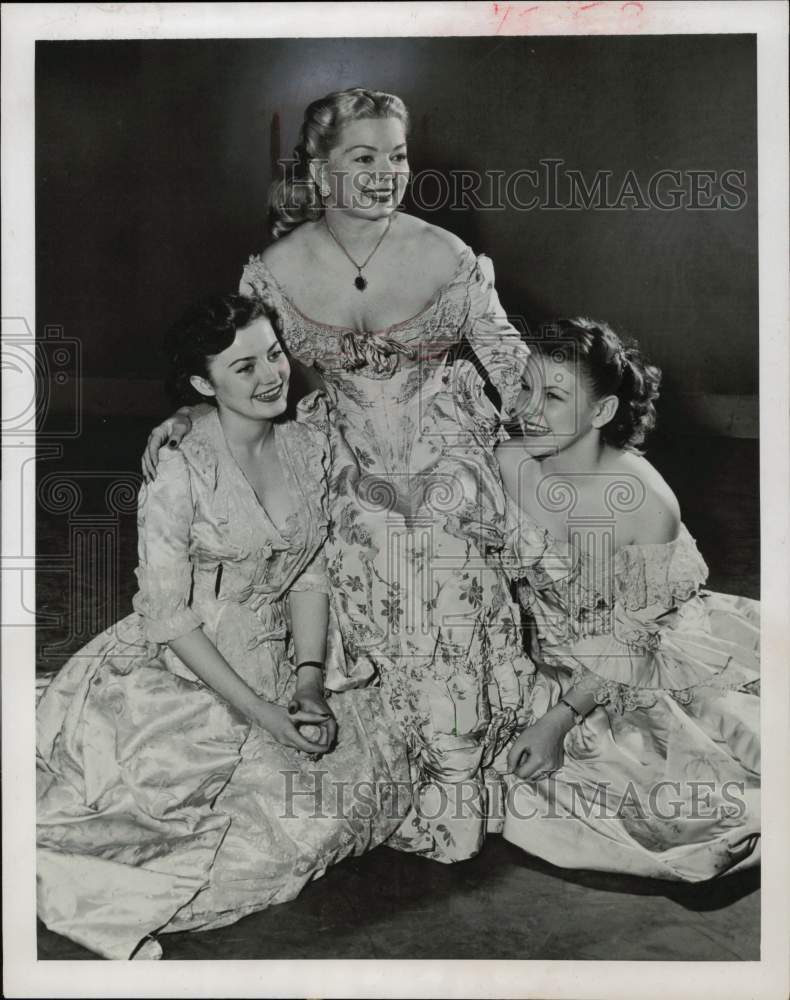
point(495, 341)
point(659, 636)
point(640, 628)
point(164, 572)
point(663, 574)
point(258, 282)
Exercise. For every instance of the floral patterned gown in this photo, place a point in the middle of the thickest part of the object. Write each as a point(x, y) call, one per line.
point(159, 807)
point(417, 516)
point(664, 780)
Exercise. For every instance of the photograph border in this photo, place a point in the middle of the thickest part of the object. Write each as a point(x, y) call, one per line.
point(24, 975)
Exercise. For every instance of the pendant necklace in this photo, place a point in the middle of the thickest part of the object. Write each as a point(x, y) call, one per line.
point(359, 282)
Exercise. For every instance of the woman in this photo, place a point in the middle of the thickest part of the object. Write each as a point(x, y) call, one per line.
point(643, 752)
point(375, 303)
point(190, 769)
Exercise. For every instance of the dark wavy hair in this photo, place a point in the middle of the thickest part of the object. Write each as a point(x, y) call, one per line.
point(205, 330)
point(611, 368)
point(294, 199)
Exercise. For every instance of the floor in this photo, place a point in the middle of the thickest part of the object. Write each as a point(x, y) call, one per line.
point(502, 904)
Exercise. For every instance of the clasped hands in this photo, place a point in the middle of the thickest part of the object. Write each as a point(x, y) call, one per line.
point(307, 724)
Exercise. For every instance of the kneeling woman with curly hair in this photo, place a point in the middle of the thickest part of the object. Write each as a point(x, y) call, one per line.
point(641, 754)
point(190, 768)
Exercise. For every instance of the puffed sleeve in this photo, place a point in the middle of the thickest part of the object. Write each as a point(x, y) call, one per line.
point(164, 574)
point(252, 281)
point(258, 282)
point(495, 341)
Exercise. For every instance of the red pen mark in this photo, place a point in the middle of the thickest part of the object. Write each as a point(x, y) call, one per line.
point(508, 11)
point(634, 3)
point(589, 6)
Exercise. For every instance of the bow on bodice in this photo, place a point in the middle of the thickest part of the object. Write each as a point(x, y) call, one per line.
point(377, 353)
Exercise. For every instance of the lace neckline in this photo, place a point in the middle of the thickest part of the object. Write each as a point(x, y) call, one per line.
point(284, 531)
point(437, 297)
point(683, 536)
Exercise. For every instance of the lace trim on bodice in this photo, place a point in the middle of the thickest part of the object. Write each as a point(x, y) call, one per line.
point(306, 466)
point(629, 632)
point(666, 574)
point(379, 352)
point(640, 576)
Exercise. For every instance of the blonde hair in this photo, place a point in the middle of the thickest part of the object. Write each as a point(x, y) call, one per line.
point(294, 199)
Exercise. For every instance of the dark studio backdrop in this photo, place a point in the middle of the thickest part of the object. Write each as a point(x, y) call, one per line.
point(154, 159)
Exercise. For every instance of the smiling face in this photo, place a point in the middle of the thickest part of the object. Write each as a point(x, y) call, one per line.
point(555, 407)
point(367, 171)
point(249, 378)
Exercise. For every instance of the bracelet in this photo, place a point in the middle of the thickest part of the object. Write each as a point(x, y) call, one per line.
point(578, 718)
point(309, 663)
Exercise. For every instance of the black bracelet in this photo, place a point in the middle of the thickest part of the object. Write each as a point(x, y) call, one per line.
point(309, 663)
point(578, 718)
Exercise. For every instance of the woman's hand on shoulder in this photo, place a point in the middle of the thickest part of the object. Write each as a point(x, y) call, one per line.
point(169, 433)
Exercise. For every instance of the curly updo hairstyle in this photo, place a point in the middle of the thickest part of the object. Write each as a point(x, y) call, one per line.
point(295, 199)
point(205, 330)
point(611, 368)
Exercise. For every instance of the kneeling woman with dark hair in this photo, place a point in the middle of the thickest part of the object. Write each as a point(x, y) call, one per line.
point(642, 754)
point(190, 769)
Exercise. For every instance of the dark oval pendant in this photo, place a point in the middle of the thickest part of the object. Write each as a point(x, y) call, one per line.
point(360, 283)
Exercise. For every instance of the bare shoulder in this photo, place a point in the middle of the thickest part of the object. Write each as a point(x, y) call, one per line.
point(430, 236)
point(283, 255)
point(438, 248)
point(657, 519)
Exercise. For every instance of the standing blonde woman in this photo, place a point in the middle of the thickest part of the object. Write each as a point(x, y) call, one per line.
point(375, 302)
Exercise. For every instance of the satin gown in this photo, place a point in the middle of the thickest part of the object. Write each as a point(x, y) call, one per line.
point(417, 525)
point(663, 778)
point(159, 807)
